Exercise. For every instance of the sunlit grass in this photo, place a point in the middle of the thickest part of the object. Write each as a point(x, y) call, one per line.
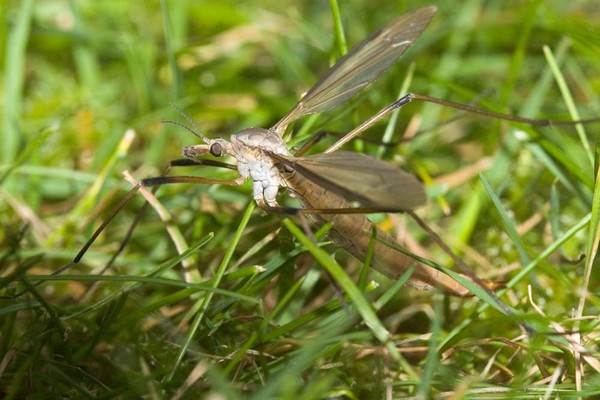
point(254, 315)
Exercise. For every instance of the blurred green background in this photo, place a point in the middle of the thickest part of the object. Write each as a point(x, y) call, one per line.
point(76, 75)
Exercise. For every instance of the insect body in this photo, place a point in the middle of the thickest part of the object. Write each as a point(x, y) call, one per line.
point(251, 148)
point(325, 183)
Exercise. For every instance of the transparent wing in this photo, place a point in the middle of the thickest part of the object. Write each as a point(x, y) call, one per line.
point(374, 183)
point(361, 66)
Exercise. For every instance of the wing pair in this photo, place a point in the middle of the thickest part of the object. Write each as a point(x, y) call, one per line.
point(361, 66)
point(372, 182)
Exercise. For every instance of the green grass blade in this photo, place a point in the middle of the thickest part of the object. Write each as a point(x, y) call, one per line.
point(24, 155)
point(592, 243)
point(206, 300)
point(14, 80)
point(508, 223)
point(338, 28)
point(568, 98)
point(363, 307)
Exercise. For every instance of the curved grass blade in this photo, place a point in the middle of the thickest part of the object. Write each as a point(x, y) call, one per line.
point(363, 307)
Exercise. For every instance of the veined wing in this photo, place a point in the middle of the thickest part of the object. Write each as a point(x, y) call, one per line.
point(372, 182)
point(361, 66)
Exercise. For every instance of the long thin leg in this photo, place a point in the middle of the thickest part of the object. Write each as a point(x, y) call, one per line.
point(487, 286)
point(166, 180)
point(304, 211)
point(467, 270)
point(98, 231)
point(320, 135)
point(407, 98)
point(156, 182)
point(139, 215)
point(188, 162)
point(368, 123)
point(123, 203)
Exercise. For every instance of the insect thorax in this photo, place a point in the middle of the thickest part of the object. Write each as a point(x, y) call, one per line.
point(251, 147)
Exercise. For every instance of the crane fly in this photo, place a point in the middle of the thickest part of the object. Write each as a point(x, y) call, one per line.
point(326, 184)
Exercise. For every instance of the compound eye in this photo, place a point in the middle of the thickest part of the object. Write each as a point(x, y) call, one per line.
point(216, 149)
